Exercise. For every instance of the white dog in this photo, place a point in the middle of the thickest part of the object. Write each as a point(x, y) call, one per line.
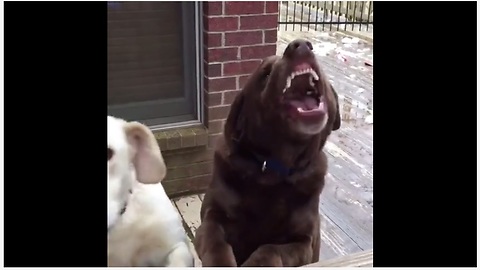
point(144, 229)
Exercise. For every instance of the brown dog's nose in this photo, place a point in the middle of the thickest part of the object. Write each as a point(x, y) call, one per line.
point(298, 47)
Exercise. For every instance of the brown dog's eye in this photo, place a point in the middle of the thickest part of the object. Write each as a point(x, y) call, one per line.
point(109, 154)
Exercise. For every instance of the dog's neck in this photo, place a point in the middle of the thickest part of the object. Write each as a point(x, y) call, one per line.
point(122, 211)
point(253, 140)
point(273, 152)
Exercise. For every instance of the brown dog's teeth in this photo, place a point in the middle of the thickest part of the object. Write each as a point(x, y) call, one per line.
point(288, 84)
point(314, 74)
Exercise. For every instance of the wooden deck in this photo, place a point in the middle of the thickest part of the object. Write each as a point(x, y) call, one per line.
point(359, 259)
point(347, 200)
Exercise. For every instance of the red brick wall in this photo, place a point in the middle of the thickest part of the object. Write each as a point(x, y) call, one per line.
point(237, 35)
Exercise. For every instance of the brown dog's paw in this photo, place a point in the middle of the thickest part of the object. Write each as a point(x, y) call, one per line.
point(264, 256)
point(218, 261)
point(258, 261)
point(220, 255)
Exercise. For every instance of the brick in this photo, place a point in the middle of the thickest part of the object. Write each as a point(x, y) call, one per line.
point(221, 54)
point(204, 94)
point(270, 36)
point(221, 84)
point(187, 186)
point(205, 109)
point(220, 24)
point(240, 67)
point(219, 112)
point(258, 22)
point(214, 99)
point(229, 96)
point(212, 70)
point(213, 8)
point(257, 52)
point(243, 38)
point(161, 137)
point(174, 140)
point(189, 170)
point(247, 7)
point(180, 151)
point(212, 139)
point(188, 137)
point(212, 40)
point(271, 7)
point(200, 136)
point(242, 80)
point(215, 126)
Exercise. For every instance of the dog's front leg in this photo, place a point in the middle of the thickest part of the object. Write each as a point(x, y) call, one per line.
point(286, 255)
point(210, 244)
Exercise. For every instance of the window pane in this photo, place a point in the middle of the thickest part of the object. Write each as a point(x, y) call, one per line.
point(146, 70)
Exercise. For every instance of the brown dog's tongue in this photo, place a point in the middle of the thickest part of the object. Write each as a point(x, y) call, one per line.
point(307, 103)
point(310, 103)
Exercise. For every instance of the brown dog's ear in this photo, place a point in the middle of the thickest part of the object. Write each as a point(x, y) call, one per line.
point(236, 118)
point(147, 158)
point(337, 121)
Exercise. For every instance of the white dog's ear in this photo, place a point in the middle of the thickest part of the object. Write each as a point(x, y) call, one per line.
point(147, 158)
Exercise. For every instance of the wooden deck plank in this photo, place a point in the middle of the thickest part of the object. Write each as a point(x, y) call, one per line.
point(349, 177)
point(359, 259)
point(348, 197)
point(356, 145)
point(334, 241)
point(189, 209)
point(184, 215)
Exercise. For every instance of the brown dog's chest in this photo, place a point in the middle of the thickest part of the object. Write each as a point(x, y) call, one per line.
point(266, 216)
point(267, 212)
point(263, 209)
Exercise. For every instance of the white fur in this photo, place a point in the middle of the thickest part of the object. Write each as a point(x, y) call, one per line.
point(150, 232)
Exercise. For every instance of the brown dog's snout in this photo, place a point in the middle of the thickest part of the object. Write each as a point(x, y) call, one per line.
point(298, 48)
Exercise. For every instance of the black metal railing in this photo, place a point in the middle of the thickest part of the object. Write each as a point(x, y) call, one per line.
point(326, 15)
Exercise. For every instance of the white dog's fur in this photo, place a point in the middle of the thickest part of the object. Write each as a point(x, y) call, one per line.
point(149, 232)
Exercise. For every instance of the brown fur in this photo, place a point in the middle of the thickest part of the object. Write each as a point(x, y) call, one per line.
point(255, 218)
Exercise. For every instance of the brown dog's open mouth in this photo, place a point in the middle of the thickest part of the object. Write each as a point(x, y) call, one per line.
point(301, 93)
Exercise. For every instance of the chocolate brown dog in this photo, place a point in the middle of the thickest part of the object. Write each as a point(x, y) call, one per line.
point(261, 208)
